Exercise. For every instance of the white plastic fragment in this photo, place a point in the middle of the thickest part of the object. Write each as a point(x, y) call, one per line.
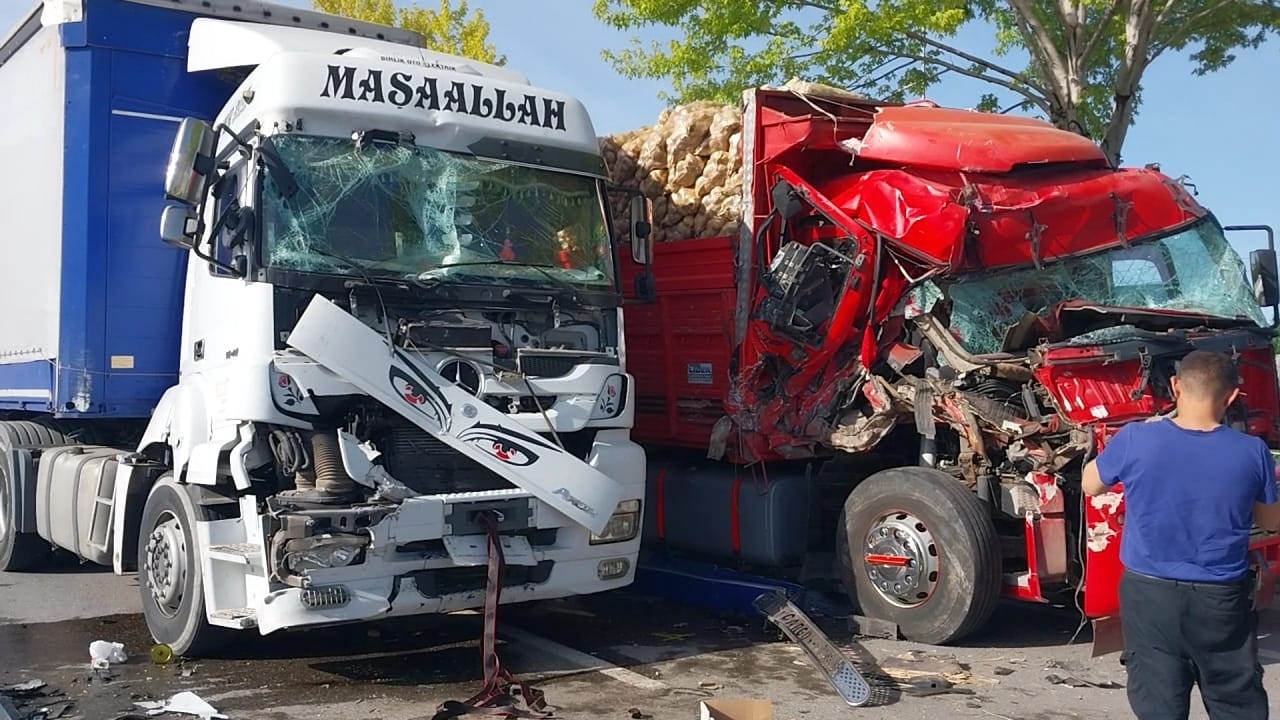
point(184, 703)
point(103, 653)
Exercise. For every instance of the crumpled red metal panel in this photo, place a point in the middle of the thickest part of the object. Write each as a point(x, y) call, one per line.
point(950, 139)
point(919, 214)
point(1015, 218)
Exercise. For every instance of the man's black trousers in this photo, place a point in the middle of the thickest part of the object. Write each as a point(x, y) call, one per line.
point(1179, 633)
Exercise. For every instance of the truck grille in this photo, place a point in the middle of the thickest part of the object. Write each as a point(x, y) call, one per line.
point(548, 366)
point(427, 465)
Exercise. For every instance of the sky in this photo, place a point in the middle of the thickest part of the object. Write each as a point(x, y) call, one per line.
point(1221, 130)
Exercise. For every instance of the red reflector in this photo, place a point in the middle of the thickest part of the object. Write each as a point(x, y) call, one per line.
point(895, 560)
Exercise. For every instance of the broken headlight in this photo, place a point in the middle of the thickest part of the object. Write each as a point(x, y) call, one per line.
point(323, 552)
point(623, 525)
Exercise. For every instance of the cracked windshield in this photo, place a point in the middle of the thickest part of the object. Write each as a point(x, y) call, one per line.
point(402, 212)
point(1195, 270)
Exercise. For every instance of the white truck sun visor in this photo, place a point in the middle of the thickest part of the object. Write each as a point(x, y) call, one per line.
point(215, 44)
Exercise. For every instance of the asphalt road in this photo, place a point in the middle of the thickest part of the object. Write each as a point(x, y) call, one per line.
point(595, 657)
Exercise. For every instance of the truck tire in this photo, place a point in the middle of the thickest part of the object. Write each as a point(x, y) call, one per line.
point(21, 551)
point(169, 573)
point(917, 548)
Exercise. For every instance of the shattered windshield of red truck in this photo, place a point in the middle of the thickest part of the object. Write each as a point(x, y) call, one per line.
point(1194, 270)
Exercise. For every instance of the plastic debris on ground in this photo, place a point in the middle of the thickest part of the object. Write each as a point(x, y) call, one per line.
point(102, 654)
point(29, 687)
point(184, 703)
point(32, 700)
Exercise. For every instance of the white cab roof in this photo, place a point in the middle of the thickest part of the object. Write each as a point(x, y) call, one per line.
point(216, 44)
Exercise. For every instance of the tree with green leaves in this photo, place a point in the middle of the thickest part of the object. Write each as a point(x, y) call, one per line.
point(1077, 63)
point(447, 29)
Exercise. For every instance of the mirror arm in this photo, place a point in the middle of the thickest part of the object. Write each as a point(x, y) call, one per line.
point(214, 261)
point(213, 231)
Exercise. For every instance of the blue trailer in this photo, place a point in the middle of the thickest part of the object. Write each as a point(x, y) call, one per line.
point(94, 93)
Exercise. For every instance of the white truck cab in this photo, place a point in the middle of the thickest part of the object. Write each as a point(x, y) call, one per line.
point(400, 330)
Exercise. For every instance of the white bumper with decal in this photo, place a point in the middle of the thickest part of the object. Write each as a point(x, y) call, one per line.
point(409, 569)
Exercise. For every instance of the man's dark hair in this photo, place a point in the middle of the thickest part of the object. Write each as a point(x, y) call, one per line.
point(1208, 374)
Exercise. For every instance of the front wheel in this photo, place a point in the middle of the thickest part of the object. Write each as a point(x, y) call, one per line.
point(169, 574)
point(916, 547)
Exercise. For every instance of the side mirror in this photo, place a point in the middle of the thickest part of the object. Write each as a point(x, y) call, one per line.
point(1266, 279)
point(191, 161)
point(641, 228)
point(178, 227)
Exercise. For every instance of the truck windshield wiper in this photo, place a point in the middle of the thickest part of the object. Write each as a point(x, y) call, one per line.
point(429, 279)
point(276, 167)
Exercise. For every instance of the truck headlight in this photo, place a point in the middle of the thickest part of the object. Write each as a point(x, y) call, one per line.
point(623, 524)
point(613, 396)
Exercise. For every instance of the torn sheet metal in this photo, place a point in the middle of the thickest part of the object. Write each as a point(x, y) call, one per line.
point(979, 223)
point(353, 350)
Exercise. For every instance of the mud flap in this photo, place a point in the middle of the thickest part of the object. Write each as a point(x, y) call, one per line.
point(353, 350)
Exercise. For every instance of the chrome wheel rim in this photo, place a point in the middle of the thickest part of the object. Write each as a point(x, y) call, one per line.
point(900, 557)
point(166, 566)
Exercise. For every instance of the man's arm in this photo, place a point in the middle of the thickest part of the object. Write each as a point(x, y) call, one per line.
point(1266, 511)
point(1091, 480)
point(1106, 470)
point(1267, 516)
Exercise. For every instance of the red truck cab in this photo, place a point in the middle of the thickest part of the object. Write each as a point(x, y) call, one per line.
point(932, 318)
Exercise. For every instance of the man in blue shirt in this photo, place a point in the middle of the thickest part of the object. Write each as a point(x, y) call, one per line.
point(1193, 490)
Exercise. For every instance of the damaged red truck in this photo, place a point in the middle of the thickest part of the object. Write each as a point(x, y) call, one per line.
point(931, 320)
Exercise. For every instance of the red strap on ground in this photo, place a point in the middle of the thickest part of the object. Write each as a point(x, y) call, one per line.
point(661, 508)
point(735, 518)
point(496, 698)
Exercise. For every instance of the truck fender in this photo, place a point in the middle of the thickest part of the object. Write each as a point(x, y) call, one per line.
point(134, 477)
point(180, 421)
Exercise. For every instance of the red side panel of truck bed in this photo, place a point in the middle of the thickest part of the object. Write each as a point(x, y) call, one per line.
point(679, 345)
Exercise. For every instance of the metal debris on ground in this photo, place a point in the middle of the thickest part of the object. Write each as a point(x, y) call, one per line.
point(926, 685)
point(184, 703)
point(825, 656)
point(1003, 671)
point(862, 626)
point(1076, 682)
point(1074, 674)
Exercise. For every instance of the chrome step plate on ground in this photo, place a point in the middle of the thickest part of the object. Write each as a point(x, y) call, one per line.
point(825, 656)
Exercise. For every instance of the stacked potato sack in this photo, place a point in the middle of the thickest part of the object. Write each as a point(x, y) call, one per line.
point(689, 163)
